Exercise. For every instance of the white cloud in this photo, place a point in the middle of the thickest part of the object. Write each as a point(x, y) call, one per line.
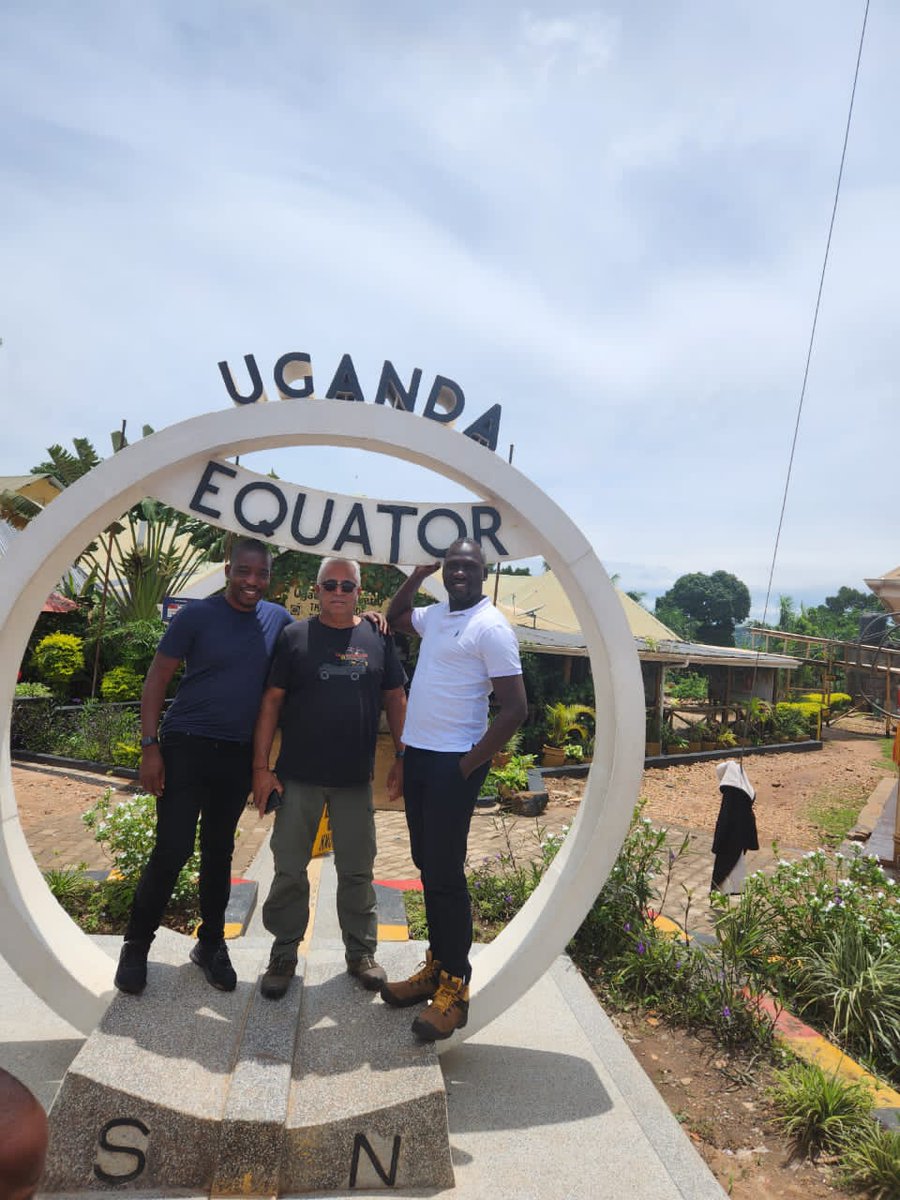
point(610, 219)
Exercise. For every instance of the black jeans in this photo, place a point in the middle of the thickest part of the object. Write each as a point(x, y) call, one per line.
point(439, 805)
point(209, 781)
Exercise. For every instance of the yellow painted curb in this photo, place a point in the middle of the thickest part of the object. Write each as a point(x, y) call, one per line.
point(393, 933)
point(803, 1040)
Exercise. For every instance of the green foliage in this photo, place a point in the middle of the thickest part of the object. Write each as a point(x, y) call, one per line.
point(509, 779)
point(32, 722)
point(163, 550)
point(127, 833)
point(676, 619)
point(870, 1159)
point(414, 903)
point(837, 618)
point(715, 602)
point(819, 1111)
point(93, 731)
point(827, 938)
point(564, 721)
point(33, 691)
point(128, 644)
point(834, 817)
point(686, 685)
point(121, 683)
point(58, 658)
point(837, 700)
point(500, 885)
point(850, 984)
point(65, 466)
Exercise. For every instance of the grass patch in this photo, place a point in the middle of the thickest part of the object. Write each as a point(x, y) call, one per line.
point(414, 903)
point(834, 816)
point(886, 747)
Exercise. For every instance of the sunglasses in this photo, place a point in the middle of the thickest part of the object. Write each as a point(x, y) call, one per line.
point(332, 585)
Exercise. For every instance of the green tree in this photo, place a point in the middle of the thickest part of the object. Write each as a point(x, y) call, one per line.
point(715, 602)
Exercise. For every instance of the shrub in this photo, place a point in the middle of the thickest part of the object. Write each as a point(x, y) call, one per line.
point(818, 1111)
point(92, 731)
point(511, 778)
point(58, 658)
point(32, 720)
point(852, 985)
point(127, 832)
point(687, 685)
point(827, 937)
point(121, 684)
point(870, 1159)
point(33, 691)
point(837, 700)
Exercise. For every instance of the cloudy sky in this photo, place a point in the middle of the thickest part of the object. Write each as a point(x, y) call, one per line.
point(610, 218)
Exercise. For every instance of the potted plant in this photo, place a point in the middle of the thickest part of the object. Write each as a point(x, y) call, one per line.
point(726, 740)
point(694, 736)
point(513, 778)
point(562, 721)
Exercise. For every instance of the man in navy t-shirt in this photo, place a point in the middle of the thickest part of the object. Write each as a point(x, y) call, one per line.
point(199, 763)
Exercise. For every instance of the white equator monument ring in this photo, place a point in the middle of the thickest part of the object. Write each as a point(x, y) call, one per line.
point(42, 944)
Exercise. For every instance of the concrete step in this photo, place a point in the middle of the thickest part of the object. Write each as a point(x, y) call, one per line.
point(186, 1087)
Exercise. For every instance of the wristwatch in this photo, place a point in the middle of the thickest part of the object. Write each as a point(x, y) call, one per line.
point(149, 741)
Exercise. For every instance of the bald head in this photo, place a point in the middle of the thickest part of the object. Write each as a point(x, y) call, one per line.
point(23, 1139)
point(464, 573)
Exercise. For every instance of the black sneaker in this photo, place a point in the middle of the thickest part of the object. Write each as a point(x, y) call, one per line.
point(278, 976)
point(131, 973)
point(215, 964)
point(367, 971)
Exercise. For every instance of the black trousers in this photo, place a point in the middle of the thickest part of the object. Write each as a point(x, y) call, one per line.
point(439, 805)
point(207, 781)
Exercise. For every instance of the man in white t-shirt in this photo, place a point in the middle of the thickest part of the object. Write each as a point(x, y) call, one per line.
point(468, 651)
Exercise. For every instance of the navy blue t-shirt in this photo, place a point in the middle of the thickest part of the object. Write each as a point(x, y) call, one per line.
point(227, 655)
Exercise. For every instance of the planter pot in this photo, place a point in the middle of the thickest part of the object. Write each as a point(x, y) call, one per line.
point(500, 759)
point(744, 741)
point(652, 749)
point(708, 746)
point(694, 747)
point(553, 756)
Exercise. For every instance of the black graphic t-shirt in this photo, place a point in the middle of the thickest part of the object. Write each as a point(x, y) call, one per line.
point(334, 679)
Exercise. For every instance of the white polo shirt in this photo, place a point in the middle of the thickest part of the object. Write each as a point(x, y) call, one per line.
point(461, 652)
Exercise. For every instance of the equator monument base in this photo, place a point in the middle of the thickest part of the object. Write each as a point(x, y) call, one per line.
point(189, 1089)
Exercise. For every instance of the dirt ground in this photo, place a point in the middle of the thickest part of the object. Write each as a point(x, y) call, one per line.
point(723, 1108)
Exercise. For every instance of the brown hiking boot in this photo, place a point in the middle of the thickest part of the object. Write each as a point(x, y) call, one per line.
point(281, 970)
point(369, 973)
point(421, 985)
point(449, 1010)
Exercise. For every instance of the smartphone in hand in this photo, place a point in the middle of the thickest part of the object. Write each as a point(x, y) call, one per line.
point(275, 800)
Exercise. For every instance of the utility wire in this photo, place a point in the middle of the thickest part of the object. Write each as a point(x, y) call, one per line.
point(812, 333)
point(815, 316)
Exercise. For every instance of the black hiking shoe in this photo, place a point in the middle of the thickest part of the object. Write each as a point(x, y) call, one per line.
point(131, 973)
point(215, 964)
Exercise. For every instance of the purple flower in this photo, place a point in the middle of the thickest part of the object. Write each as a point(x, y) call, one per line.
point(671, 857)
point(641, 947)
point(508, 898)
point(726, 1013)
point(627, 927)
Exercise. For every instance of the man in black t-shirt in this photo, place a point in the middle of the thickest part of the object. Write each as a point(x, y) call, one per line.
point(328, 680)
